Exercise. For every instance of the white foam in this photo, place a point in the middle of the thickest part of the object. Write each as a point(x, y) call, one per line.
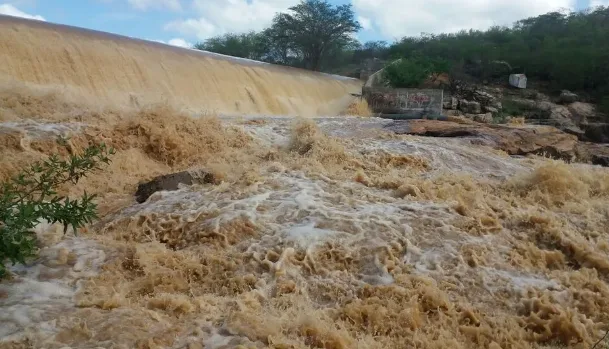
point(44, 289)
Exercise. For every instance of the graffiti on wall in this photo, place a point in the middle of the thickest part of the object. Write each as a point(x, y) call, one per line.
point(404, 101)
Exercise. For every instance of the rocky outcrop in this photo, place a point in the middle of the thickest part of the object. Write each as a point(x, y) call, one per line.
point(596, 132)
point(515, 140)
point(484, 118)
point(470, 107)
point(544, 111)
point(582, 112)
point(172, 182)
point(597, 154)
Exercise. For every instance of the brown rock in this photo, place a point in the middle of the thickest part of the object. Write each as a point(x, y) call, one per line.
point(484, 118)
point(582, 111)
point(597, 132)
point(515, 140)
point(597, 154)
point(171, 182)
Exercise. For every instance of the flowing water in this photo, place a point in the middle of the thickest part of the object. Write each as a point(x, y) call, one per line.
point(119, 70)
point(327, 232)
point(317, 233)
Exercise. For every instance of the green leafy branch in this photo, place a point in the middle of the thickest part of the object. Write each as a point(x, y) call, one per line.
point(31, 196)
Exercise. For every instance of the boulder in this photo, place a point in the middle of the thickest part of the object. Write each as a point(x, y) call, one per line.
point(484, 118)
point(471, 107)
point(596, 132)
point(597, 154)
point(567, 97)
point(514, 140)
point(491, 110)
point(171, 182)
point(582, 111)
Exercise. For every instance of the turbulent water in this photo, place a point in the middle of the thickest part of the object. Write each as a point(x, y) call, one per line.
point(317, 233)
point(115, 69)
point(328, 232)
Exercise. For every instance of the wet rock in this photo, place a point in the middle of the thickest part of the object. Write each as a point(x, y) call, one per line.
point(171, 182)
point(596, 132)
point(567, 97)
point(514, 140)
point(597, 154)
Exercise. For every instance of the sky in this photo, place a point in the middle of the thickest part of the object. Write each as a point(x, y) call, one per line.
point(185, 22)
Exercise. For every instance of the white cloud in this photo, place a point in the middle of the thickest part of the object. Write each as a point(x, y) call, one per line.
point(397, 18)
point(595, 3)
point(173, 5)
point(10, 10)
point(200, 28)
point(180, 43)
point(365, 22)
point(215, 17)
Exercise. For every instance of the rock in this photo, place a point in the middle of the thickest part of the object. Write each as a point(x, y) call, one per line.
point(491, 110)
point(597, 154)
point(474, 108)
point(171, 182)
point(471, 107)
point(567, 97)
point(582, 111)
point(484, 118)
point(514, 140)
point(596, 132)
point(453, 113)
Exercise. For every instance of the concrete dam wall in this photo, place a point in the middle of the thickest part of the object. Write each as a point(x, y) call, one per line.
point(117, 69)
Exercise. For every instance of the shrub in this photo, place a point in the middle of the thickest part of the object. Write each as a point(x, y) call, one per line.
point(412, 72)
point(31, 196)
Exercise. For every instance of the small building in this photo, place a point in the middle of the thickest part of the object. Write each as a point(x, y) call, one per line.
point(518, 80)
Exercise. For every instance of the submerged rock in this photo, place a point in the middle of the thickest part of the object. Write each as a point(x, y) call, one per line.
point(171, 182)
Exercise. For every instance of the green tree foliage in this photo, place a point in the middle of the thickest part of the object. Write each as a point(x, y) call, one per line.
point(314, 28)
point(313, 34)
point(31, 196)
point(412, 72)
point(250, 45)
point(563, 50)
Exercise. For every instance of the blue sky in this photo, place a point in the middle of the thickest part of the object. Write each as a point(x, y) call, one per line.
point(184, 22)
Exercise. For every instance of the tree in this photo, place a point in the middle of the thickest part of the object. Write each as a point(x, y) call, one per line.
point(247, 45)
point(314, 27)
point(31, 196)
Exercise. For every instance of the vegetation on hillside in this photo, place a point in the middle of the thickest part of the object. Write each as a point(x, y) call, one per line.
point(31, 197)
point(561, 50)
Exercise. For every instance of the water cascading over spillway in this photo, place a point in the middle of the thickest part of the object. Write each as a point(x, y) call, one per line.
point(114, 69)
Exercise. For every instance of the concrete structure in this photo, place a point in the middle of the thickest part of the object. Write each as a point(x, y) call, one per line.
point(405, 102)
point(518, 80)
point(114, 69)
